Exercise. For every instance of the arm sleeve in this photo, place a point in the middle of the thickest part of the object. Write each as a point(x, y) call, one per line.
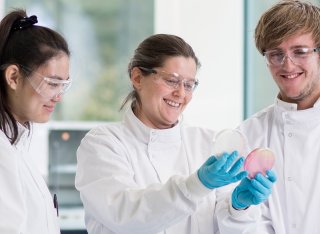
point(12, 210)
point(111, 197)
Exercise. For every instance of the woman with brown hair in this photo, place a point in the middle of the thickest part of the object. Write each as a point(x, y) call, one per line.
point(34, 74)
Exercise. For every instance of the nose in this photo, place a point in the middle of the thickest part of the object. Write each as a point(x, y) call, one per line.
point(180, 90)
point(285, 60)
point(57, 98)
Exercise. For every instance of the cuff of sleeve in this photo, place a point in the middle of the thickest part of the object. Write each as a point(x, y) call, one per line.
point(195, 189)
point(245, 212)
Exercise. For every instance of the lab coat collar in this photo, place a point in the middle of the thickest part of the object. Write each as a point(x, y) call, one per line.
point(317, 104)
point(146, 134)
point(23, 134)
point(286, 106)
point(288, 112)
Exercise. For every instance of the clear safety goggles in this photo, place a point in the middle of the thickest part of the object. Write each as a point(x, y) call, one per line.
point(174, 80)
point(47, 87)
point(299, 56)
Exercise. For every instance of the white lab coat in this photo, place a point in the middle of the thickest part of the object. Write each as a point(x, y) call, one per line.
point(125, 178)
point(26, 205)
point(294, 136)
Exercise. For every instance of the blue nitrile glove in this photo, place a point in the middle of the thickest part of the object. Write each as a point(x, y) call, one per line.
point(215, 172)
point(253, 192)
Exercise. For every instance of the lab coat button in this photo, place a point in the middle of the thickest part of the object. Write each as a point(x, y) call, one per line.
point(290, 134)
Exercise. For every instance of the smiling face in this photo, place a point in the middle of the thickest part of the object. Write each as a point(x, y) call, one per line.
point(162, 105)
point(26, 104)
point(298, 83)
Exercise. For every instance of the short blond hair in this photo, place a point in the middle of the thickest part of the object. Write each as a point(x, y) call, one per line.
point(285, 19)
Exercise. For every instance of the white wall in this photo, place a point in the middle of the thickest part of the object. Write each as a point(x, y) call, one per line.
point(215, 31)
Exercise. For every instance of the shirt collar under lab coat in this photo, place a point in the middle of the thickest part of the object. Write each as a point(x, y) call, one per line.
point(147, 134)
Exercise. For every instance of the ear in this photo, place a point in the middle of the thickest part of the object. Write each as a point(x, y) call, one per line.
point(135, 77)
point(12, 76)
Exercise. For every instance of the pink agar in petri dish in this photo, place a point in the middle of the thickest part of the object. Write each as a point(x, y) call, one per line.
point(259, 160)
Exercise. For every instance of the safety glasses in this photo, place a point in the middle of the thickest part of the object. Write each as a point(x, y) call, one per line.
point(173, 80)
point(299, 56)
point(47, 87)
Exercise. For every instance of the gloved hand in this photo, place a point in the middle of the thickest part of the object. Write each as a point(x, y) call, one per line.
point(215, 172)
point(253, 192)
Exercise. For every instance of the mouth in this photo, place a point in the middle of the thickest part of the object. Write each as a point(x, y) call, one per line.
point(49, 108)
point(292, 75)
point(172, 103)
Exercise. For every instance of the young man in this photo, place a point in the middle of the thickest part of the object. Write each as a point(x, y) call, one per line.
point(288, 36)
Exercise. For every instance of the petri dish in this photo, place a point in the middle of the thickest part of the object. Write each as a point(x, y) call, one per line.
point(259, 160)
point(229, 140)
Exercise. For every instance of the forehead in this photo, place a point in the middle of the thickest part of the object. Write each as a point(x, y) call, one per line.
point(183, 66)
point(57, 66)
point(297, 40)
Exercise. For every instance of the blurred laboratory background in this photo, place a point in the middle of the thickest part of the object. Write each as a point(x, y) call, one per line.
point(102, 34)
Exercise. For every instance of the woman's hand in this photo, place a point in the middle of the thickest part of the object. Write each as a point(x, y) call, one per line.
point(218, 172)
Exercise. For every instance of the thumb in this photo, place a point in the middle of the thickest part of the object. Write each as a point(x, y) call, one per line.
point(241, 175)
point(212, 159)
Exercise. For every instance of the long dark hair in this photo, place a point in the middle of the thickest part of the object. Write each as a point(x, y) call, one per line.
point(152, 52)
point(24, 44)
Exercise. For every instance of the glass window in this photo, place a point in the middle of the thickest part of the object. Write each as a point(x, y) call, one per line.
point(260, 89)
point(102, 36)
